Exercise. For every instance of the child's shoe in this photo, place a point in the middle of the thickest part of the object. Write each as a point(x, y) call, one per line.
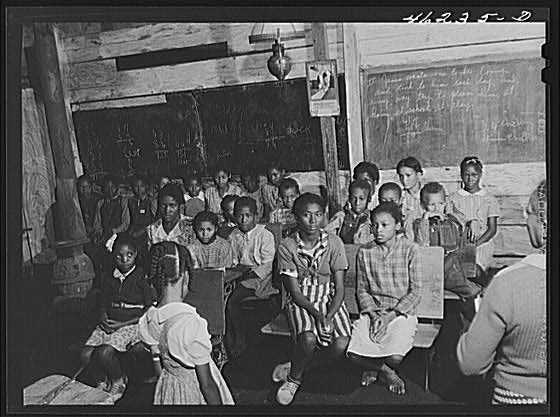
point(287, 391)
point(118, 388)
point(281, 372)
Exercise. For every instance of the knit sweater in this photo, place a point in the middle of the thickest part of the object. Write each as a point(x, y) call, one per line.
point(510, 330)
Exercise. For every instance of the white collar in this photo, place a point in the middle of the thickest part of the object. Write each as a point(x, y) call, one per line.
point(464, 193)
point(118, 274)
point(251, 232)
point(163, 313)
point(200, 196)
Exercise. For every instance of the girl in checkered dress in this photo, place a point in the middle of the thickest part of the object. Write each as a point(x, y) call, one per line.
point(126, 294)
point(312, 263)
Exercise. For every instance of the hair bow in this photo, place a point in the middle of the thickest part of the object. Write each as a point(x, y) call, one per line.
point(111, 242)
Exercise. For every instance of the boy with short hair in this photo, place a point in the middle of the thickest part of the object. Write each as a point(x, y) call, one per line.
point(227, 205)
point(194, 198)
point(251, 188)
point(288, 191)
point(253, 253)
point(353, 225)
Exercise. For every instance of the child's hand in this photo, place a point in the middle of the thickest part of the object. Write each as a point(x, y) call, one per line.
point(473, 231)
point(109, 326)
point(380, 326)
point(374, 324)
point(325, 327)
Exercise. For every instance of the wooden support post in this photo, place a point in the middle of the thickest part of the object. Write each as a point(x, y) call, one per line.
point(328, 131)
point(73, 270)
point(353, 102)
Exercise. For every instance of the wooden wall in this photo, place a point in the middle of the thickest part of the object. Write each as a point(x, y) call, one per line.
point(38, 179)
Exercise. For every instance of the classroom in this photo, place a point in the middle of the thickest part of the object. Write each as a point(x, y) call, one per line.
point(283, 213)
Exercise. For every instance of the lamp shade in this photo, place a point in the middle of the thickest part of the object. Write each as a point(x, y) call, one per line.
point(267, 31)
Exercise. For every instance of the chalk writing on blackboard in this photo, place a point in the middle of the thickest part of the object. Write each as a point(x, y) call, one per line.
point(463, 109)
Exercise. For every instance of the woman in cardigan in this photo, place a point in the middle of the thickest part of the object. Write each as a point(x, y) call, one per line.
point(510, 329)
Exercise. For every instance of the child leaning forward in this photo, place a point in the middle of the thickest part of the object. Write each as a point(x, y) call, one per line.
point(388, 290)
point(312, 263)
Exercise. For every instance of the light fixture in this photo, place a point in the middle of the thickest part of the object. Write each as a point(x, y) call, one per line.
point(279, 64)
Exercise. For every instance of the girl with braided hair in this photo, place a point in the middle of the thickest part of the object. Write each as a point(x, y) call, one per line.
point(178, 337)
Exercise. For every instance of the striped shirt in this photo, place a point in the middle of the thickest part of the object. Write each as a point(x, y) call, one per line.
point(388, 281)
point(271, 198)
point(182, 233)
point(282, 215)
point(217, 254)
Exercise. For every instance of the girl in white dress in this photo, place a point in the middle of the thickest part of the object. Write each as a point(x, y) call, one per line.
point(178, 337)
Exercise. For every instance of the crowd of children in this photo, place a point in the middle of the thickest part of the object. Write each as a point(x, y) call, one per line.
point(165, 230)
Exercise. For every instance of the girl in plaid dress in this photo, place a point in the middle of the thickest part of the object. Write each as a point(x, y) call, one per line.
point(388, 290)
point(312, 263)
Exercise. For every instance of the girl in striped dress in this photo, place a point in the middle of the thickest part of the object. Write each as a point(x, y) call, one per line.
point(480, 210)
point(312, 263)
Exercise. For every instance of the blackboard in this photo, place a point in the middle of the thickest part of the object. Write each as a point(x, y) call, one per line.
point(240, 127)
point(495, 110)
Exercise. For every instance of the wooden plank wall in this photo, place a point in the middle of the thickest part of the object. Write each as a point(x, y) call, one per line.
point(38, 179)
point(92, 50)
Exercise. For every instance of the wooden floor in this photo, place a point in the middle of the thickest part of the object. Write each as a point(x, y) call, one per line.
point(50, 346)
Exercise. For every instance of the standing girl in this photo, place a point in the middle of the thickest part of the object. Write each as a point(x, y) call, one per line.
point(178, 337)
point(172, 226)
point(214, 195)
point(480, 210)
point(126, 295)
point(209, 250)
point(312, 263)
point(388, 290)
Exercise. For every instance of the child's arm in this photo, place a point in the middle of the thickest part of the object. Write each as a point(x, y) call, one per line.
point(267, 252)
point(208, 385)
point(228, 256)
point(490, 232)
point(338, 298)
point(154, 207)
point(335, 223)
point(292, 286)
point(368, 305)
point(421, 231)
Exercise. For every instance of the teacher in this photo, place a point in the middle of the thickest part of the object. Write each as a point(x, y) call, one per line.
point(509, 331)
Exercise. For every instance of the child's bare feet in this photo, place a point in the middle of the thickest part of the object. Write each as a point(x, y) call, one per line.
point(393, 381)
point(369, 377)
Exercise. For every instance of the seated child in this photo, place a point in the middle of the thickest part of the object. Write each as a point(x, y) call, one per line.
point(312, 263)
point(88, 202)
point(288, 191)
point(481, 211)
point(390, 192)
point(162, 181)
point(388, 291)
point(369, 172)
point(271, 198)
point(209, 250)
point(223, 187)
point(178, 337)
point(436, 227)
point(354, 225)
point(253, 251)
point(141, 215)
point(194, 198)
point(126, 294)
point(251, 188)
point(229, 223)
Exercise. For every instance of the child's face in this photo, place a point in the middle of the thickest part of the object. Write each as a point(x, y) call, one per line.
point(169, 209)
point(85, 189)
point(205, 232)
point(111, 189)
point(392, 196)
point(434, 203)
point(245, 219)
point(275, 176)
point(163, 181)
point(471, 178)
point(139, 188)
point(289, 197)
point(408, 177)
point(358, 200)
point(221, 178)
point(250, 183)
point(228, 213)
point(193, 187)
point(385, 227)
point(125, 257)
point(310, 218)
point(364, 176)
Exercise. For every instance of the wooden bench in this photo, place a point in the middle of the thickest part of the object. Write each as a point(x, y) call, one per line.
point(430, 307)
